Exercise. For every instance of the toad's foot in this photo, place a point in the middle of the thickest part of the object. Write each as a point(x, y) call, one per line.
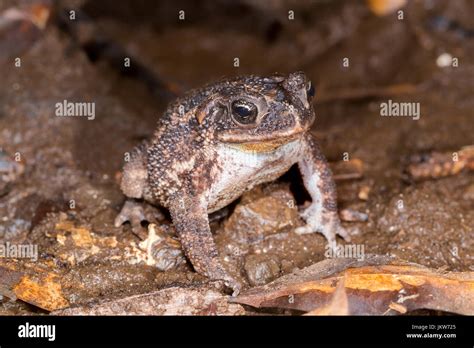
point(229, 281)
point(327, 224)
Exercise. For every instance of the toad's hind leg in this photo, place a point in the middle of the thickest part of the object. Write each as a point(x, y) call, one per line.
point(321, 216)
point(134, 186)
point(134, 175)
point(190, 219)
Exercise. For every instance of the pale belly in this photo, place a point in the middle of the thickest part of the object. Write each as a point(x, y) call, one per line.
point(243, 170)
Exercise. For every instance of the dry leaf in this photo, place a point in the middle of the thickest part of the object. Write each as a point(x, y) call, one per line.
point(372, 286)
point(385, 7)
point(436, 165)
point(170, 301)
point(339, 304)
point(42, 290)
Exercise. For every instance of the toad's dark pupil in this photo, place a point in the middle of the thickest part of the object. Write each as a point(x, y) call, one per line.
point(244, 112)
point(310, 91)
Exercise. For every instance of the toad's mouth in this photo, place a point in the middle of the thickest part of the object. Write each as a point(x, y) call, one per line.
point(262, 144)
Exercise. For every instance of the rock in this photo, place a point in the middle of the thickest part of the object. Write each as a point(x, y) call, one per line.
point(163, 252)
point(469, 193)
point(352, 215)
point(262, 268)
point(262, 213)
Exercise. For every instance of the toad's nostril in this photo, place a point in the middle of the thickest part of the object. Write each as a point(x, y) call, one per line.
point(297, 85)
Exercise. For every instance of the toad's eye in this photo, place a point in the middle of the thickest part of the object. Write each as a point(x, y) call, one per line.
point(244, 112)
point(310, 91)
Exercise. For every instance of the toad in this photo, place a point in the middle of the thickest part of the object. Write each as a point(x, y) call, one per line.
point(218, 141)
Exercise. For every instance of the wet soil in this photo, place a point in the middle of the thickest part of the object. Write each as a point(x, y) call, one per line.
point(61, 192)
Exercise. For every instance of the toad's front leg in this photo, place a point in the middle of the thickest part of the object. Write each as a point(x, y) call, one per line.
point(189, 215)
point(321, 216)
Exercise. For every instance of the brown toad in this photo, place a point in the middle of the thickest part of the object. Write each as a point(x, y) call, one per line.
point(218, 141)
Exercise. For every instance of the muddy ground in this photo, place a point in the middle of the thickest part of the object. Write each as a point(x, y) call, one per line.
point(59, 185)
